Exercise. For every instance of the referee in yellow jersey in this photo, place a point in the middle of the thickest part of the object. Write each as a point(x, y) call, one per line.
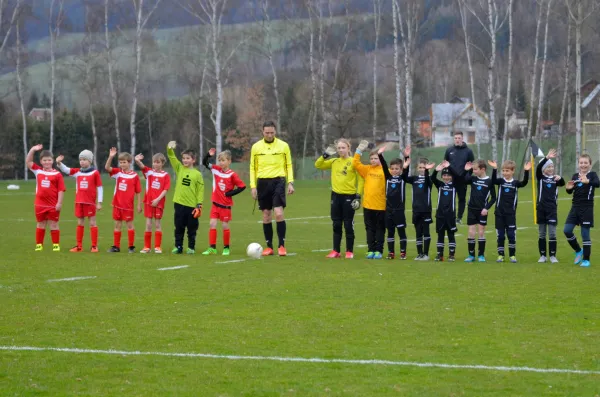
point(270, 170)
point(346, 188)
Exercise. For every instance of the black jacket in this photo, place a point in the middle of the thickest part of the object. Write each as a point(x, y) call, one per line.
point(458, 156)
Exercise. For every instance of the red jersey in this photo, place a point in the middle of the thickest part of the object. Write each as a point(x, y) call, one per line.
point(156, 183)
point(223, 182)
point(127, 186)
point(48, 185)
point(88, 185)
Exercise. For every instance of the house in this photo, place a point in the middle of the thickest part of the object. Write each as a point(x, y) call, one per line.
point(421, 135)
point(39, 114)
point(517, 123)
point(455, 116)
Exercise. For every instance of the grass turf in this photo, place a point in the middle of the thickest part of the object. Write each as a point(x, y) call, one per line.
point(524, 314)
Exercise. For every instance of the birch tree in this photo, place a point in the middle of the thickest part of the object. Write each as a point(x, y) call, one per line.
point(20, 92)
point(377, 18)
point(140, 24)
point(54, 23)
point(508, 102)
point(398, 78)
point(464, 20)
point(534, 74)
point(110, 69)
point(543, 72)
point(6, 25)
point(565, 96)
point(579, 12)
point(268, 51)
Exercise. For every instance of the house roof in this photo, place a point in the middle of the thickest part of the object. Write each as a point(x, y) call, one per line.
point(423, 118)
point(446, 113)
point(39, 111)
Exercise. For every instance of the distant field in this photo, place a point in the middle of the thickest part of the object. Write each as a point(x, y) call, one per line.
point(429, 323)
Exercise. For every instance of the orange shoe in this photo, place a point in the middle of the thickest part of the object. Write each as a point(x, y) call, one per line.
point(76, 249)
point(349, 255)
point(282, 251)
point(333, 254)
point(267, 252)
point(94, 249)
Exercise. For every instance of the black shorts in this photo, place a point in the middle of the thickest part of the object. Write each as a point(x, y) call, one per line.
point(395, 219)
point(341, 207)
point(271, 193)
point(546, 217)
point(421, 217)
point(445, 223)
point(474, 217)
point(506, 222)
point(581, 216)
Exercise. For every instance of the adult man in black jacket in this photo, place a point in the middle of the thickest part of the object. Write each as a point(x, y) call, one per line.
point(458, 155)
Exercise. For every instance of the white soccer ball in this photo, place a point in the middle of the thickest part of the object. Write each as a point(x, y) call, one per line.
point(254, 250)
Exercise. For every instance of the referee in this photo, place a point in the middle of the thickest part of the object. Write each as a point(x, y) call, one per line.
point(270, 169)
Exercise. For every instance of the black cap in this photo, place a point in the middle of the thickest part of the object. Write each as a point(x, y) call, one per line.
point(446, 171)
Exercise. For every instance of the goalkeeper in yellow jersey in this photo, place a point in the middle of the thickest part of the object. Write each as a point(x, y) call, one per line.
point(346, 188)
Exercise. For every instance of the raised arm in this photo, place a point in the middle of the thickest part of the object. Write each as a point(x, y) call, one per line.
point(61, 166)
point(206, 159)
point(138, 161)
point(324, 164)
point(358, 166)
point(539, 174)
point(111, 156)
point(525, 180)
point(435, 180)
point(386, 171)
point(29, 158)
point(175, 163)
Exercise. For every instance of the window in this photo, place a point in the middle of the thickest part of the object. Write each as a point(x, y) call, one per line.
point(470, 122)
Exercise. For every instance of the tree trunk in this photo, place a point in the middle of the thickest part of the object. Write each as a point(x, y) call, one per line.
point(322, 78)
point(200, 127)
point(578, 24)
point(491, 91)
point(508, 103)
point(464, 22)
point(111, 83)
point(11, 23)
point(377, 18)
point(267, 30)
point(308, 122)
point(534, 74)
point(138, 60)
point(94, 133)
point(20, 94)
point(313, 75)
point(218, 82)
point(543, 73)
point(150, 133)
point(399, 120)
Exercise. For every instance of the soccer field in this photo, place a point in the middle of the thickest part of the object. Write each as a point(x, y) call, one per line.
point(230, 326)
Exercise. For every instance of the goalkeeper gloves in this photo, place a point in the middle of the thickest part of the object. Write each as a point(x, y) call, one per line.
point(355, 204)
point(362, 146)
point(197, 212)
point(171, 145)
point(330, 151)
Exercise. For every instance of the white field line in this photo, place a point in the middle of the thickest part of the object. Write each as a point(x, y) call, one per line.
point(172, 268)
point(233, 261)
point(71, 279)
point(303, 360)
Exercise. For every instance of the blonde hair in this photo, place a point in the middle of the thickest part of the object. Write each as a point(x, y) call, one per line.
point(160, 157)
point(509, 165)
point(225, 154)
point(345, 142)
point(373, 153)
point(125, 156)
point(587, 156)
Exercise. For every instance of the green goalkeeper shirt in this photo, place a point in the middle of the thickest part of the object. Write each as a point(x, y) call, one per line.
point(189, 185)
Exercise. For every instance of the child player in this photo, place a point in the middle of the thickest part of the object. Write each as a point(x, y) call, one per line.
point(483, 197)
point(88, 196)
point(445, 215)
point(127, 188)
point(582, 186)
point(158, 183)
point(547, 205)
point(49, 194)
point(421, 205)
point(374, 200)
point(226, 184)
point(346, 189)
point(187, 199)
point(395, 194)
point(506, 206)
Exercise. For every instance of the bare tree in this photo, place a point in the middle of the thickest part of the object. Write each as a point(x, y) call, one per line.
point(4, 7)
point(579, 12)
point(543, 72)
point(20, 92)
point(564, 97)
point(111, 82)
point(268, 49)
point(464, 14)
point(377, 4)
point(54, 23)
point(508, 103)
point(534, 74)
point(398, 78)
point(313, 74)
point(140, 23)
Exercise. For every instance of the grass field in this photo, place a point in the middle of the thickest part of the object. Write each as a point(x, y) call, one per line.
point(409, 313)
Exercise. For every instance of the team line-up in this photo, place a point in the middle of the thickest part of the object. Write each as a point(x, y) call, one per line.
point(380, 186)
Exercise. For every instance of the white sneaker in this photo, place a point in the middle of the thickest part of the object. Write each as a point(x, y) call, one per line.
point(425, 258)
point(542, 259)
point(553, 259)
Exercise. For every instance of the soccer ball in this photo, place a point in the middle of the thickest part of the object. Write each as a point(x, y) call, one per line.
point(254, 250)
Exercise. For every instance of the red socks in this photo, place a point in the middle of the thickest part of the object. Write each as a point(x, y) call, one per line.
point(226, 236)
point(94, 233)
point(131, 237)
point(39, 235)
point(157, 239)
point(147, 239)
point(79, 235)
point(55, 236)
point(212, 237)
point(117, 238)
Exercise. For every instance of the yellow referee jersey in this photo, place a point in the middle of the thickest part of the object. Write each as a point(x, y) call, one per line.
point(374, 197)
point(344, 178)
point(270, 160)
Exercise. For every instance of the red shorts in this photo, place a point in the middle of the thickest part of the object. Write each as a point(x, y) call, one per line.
point(84, 210)
point(153, 212)
point(46, 214)
point(120, 214)
point(222, 214)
